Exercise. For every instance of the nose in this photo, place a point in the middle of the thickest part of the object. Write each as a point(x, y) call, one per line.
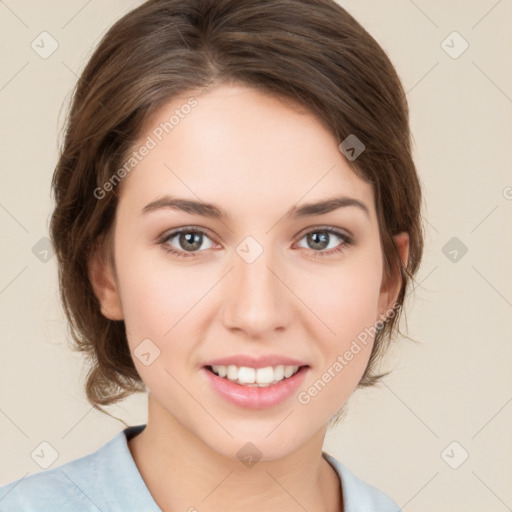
point(257, 301)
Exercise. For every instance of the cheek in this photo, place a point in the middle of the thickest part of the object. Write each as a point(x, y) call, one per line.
point(155, 315)
point(156, 294)
point(347, 304)
point(346, 299)
point(162, 303)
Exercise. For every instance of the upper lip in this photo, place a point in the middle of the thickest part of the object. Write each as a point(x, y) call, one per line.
point(261, 361)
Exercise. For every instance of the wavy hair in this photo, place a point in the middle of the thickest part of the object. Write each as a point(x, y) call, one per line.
point(310, 51)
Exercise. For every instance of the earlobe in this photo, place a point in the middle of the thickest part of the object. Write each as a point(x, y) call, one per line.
point(402, 242)
point(391, 289)
point(105, 287)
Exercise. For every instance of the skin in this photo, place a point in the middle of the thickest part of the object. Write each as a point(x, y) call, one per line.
point(255, 157)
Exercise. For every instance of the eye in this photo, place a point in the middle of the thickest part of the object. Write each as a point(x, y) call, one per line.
point(188, 241)
point(320, 239)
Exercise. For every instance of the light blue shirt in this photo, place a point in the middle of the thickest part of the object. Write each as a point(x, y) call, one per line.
point(108, 480)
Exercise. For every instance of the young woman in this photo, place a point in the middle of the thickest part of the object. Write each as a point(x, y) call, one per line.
point(237, 220)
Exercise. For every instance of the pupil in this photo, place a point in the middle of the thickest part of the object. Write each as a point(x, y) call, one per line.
point(320, 240)
point(192, 239)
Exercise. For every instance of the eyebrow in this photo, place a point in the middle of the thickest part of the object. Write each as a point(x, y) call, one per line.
point(210, 210)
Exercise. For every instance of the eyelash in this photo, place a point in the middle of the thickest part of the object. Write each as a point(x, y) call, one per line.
point(347, 241)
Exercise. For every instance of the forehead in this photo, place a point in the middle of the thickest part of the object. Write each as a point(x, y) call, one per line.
point(248, 150)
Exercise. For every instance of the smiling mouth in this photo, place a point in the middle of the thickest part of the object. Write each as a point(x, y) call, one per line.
point(255, 377)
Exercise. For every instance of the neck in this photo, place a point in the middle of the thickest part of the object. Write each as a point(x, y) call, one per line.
point(183, 473)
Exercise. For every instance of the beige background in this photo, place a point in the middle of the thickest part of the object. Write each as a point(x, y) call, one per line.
point(453, 386)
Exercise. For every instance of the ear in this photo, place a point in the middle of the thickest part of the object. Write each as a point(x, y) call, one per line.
point(390, 290)
point(104, 286)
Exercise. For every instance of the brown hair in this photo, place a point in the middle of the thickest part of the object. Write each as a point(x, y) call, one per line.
point(310, 51)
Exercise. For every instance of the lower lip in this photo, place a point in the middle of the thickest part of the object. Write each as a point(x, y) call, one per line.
point(255, 397)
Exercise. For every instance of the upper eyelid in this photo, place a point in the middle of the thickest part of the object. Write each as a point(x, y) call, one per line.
point(173, 232)
point(335, 230)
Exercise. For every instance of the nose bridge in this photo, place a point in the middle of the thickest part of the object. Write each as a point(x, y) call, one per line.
point(257, 300)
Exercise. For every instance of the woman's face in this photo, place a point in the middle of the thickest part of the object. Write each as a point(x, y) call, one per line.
point(256, 274)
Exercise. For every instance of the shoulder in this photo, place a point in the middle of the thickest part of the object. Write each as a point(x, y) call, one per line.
point(359, 496)
point(58, 488)
point(103, 480)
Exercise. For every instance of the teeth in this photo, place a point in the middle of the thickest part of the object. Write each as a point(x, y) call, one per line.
point(255, 377)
